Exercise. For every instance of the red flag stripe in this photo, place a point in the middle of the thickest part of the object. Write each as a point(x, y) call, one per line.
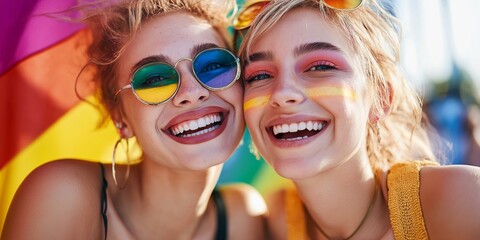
point(37, 91)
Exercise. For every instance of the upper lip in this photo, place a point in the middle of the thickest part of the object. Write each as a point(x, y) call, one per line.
point(194, 115)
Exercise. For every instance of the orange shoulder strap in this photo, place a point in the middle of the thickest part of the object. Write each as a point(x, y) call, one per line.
point(406, 215)
point(296, 225)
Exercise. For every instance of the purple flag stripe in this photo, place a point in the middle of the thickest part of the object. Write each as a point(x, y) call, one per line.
point(25, 31)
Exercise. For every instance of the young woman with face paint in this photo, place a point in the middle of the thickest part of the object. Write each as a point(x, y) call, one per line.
point(165, 76)
point(328, 108)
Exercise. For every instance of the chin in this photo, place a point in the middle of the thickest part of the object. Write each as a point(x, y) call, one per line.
point(202, 164)
point(292, 168)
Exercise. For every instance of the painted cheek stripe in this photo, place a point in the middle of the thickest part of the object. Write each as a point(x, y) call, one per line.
point(256, 102)
point(331, 92)
point(311, 92)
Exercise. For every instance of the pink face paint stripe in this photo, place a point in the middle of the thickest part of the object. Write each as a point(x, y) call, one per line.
point(255, 102)
point(331, 92)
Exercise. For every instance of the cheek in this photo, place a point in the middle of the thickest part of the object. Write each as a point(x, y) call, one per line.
point(255, 98)
point(142, 120)
point(233, 95)
point(134, 111)
point(254, 107)
point(253, 125)
point(251, 117)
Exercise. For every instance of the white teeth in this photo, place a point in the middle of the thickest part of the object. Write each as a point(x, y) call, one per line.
point(309, 125)
point(195, 124)
point(200, 132)
point(180, 129)
point(297, 138)
point(293, 127)
point(202, 122)
point(300, 126)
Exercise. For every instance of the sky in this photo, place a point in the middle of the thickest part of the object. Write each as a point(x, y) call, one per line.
point(437, 32)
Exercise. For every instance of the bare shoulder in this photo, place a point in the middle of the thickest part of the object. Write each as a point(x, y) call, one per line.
point(450, 197)
point(246, 211)
point(55, 197)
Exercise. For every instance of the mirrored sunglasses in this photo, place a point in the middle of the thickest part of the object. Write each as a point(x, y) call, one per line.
point(252, 8)
point(157, 82)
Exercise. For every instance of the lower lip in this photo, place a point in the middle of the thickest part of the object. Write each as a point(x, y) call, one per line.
point(203, 137)
point(295, 143)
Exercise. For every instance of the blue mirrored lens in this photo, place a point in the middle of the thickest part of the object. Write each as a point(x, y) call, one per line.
point(216, 68)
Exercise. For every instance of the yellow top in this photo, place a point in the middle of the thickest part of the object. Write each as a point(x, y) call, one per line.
point(406, 215)
point(296, 225)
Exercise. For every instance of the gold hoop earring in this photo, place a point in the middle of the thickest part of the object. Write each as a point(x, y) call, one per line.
point(114, 172)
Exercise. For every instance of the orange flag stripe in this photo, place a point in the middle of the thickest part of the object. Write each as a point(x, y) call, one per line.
point(37, 91)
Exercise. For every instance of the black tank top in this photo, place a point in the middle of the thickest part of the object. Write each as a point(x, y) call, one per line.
point(221, 233)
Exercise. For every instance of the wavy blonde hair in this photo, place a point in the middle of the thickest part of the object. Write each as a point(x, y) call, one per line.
point(114, 23)
point(402, 133)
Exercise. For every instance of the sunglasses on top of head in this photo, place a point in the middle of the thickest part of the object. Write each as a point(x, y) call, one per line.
point(157, 82)
point(252, 8)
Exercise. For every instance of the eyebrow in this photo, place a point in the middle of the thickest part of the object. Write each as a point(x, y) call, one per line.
point(302, 49)
point(163, 58)
point(309, 47)
point(260, 56)
point(201, 47)
point(149, 59)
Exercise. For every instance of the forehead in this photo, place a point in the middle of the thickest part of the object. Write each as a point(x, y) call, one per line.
point(297, 27)
point(171, 34)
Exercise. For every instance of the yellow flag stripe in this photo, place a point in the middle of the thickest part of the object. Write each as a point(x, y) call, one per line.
point(74, 135)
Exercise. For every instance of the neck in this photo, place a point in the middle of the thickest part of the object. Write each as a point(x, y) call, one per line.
point(338, 200)
point(169, 203)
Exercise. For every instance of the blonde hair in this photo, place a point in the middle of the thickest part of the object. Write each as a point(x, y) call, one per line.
point(402, 133)
point(114, 24)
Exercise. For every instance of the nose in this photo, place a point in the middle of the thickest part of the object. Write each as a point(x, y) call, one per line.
point(190, 91)
point(286, 92)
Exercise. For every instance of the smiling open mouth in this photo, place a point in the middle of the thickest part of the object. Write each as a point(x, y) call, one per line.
point(298, 130)
point(198, 126)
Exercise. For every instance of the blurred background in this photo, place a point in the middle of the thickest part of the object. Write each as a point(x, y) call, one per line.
point(41, 119)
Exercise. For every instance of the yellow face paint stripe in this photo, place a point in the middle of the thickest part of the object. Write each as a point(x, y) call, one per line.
point(331, 92)
point(311, 92)
point(256, 102)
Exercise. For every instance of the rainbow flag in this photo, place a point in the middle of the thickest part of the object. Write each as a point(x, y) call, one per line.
point(42, 119)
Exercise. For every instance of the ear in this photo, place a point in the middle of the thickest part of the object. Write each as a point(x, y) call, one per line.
point(385, 96)
point(121, 124)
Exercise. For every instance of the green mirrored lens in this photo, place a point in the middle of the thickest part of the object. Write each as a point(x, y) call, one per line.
point(155, 83)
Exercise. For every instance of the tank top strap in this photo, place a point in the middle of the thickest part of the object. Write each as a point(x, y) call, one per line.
point(406, 214)
point(103, 200)
point(222, 221)
point(296, 224)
